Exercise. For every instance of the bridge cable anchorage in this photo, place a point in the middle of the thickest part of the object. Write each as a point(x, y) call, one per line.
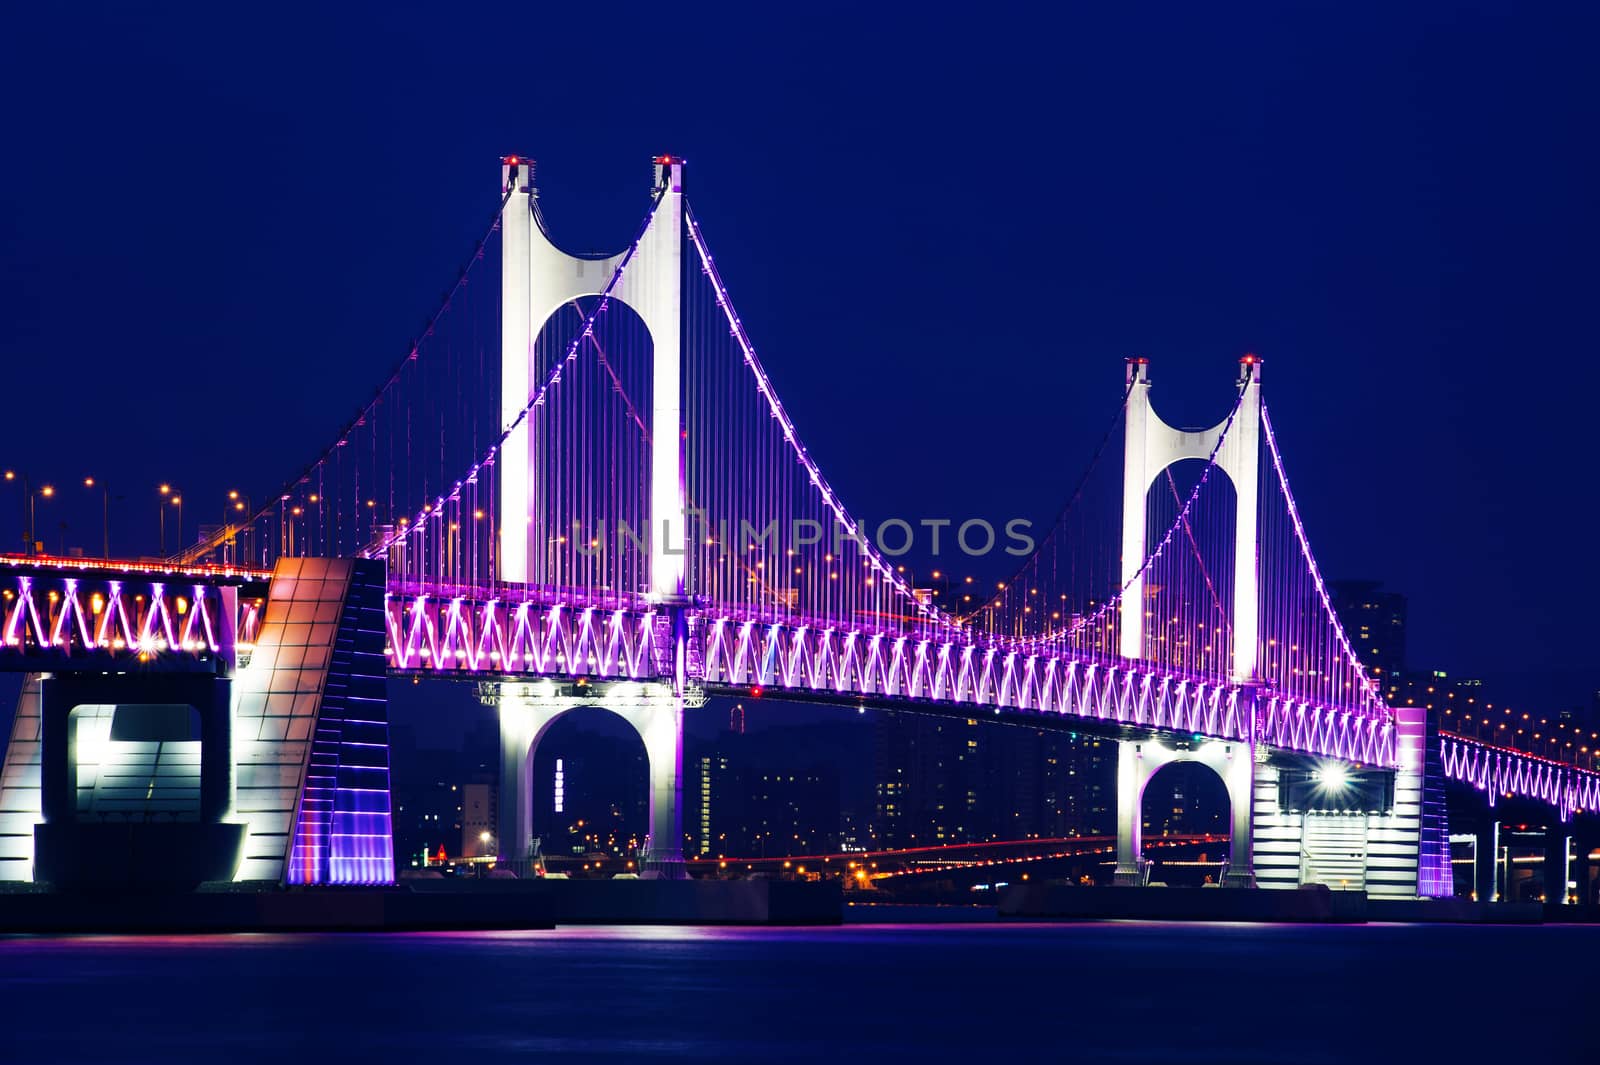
point(871, 557)
point(227, 533)
point(552, 377)
point(1020, 577)
point(1374, 705)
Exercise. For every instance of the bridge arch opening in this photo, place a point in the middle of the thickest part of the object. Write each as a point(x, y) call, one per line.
point(589, 457)
point(590, 792)
point(1189, 585)
point(1184, 814)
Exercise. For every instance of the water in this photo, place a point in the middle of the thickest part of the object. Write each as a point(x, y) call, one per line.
point(1118, 992)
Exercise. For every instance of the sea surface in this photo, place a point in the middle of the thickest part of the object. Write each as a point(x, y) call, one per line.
point(860, 993)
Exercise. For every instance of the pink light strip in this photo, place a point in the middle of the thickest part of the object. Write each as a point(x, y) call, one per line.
point(927, 610)
point(1375, 705)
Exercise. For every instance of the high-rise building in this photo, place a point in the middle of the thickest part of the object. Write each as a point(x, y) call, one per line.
point(790, 812)
point(427, 816)
point(713, 804)
point(1375, 622)
point(478, 820)
point(751, 795)
point(958, 780)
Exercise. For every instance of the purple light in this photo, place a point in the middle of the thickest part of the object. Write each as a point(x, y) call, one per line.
point(535, 637)
point(1501, 771)
point(89, 614)
point(1375, 704)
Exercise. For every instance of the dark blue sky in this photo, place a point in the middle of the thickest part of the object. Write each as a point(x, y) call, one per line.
point(219, 226)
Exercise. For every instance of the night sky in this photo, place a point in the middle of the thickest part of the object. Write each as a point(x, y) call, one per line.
point(220, 226)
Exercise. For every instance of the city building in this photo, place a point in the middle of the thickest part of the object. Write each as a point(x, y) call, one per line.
point(1375, 622)
point(755, 795)
point(478, 820)
point(962, 780)
point(427, 817)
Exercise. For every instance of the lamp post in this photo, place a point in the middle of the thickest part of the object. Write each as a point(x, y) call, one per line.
point(161, 512)
point(27, 509)
point(239, 505)
point(173, 496)
point(105, 516)
point(46, 491)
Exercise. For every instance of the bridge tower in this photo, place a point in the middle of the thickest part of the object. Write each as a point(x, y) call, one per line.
point(1151, 446)
point(537, 279)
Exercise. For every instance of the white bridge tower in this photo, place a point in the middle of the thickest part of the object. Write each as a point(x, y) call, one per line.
point(1151, 446)
point(536, 280)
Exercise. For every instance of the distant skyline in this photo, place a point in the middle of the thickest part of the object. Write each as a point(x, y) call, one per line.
point(944, 237)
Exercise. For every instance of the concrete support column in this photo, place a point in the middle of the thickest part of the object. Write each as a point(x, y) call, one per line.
point(1131, 779)
point(1239, 774)
point(1487, 874)
point(661, 728)
point(1241, 458)
point(1557, 865)
point(58, 776)
point(517, 331)
point(216, 753)
point(659, 276)
point(1136, 476)
point(1583, 837)
point(524, 719)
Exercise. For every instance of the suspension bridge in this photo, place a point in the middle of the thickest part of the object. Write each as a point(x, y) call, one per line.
point(579, 486)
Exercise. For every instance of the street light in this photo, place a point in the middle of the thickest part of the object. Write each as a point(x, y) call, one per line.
point(105, 516)
point(238, 504)
point(27, 509)
point(174, 496)
point(46, 491)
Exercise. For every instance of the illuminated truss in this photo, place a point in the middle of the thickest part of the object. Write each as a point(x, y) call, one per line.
point(49, 618)
point(455, 636)
point(1504, 772)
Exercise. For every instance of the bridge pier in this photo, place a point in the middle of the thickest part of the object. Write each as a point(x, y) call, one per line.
point(1486, 873)
point(1583, 836)
point(527, 710)
point(1138, 760)
point(1557, 862)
